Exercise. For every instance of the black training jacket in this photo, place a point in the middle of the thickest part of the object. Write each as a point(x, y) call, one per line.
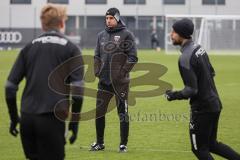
point(118, 42)
point(198, 77)
point(36, 62)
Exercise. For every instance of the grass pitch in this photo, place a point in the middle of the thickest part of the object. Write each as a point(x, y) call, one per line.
point(158, 129)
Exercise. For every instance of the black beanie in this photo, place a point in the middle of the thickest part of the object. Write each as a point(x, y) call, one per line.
point(114, 12)
point(184, 28)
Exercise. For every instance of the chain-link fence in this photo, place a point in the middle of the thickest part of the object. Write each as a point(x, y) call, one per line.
point(18, 28)
point(217, 34)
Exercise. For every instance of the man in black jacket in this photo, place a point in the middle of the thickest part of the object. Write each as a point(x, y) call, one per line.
point(44, 109)
point(155, 40)
point(198, 77)
point(115, 56)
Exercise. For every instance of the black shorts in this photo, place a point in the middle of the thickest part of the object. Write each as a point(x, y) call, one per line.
point(42, 136)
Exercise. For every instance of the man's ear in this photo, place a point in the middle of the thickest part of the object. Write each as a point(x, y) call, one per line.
point(62, 26)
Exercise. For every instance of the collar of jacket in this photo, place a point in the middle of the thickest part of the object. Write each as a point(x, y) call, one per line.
point(185, 45)
point(120, 26)
point(52, 31)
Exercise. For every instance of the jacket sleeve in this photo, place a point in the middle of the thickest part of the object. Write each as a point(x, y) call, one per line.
point(15, 77)
point(189, 79)
point(97, 48)
point(131, 51)
point(213, 73)
point(18, 70)
point(97, 60)
point(77, 83)
point(77, 66)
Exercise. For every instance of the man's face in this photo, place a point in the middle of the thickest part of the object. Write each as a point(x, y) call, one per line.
point(111, 22)
point(176, 39)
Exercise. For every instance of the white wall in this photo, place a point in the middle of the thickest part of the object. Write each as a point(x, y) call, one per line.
point(4, 16)
point(23, 15)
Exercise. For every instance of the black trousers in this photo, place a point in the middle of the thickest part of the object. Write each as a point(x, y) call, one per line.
point(104, 95)
point(153, 42)
point(42, 136)
point(203, 135)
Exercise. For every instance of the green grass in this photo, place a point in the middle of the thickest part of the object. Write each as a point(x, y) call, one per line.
point(165, 138)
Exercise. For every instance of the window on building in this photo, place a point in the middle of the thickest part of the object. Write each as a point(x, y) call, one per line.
point(173, 2)
point(20, 1)
point(95, 1)
point(130, 21)
point(95, 22)
point(134, 1)
point(71, 26)
point(213, 2)
point(59, 1)
point(145, 22)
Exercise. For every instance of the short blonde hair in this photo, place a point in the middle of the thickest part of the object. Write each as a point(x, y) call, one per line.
point(52, 16)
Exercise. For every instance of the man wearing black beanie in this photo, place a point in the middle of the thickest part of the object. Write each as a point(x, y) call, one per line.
point(115, 56)
point(198, 77)
point(184, 28)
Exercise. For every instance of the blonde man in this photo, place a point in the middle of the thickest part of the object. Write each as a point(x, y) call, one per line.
point(42, 132)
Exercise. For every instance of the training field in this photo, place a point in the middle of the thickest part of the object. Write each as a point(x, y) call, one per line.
point(158, 128)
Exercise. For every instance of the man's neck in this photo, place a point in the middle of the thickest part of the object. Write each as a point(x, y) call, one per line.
point(184, 42)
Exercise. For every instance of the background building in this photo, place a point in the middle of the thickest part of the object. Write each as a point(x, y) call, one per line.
point(19, 19)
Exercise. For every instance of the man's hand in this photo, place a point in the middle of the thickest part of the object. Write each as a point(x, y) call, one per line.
point(13, 128)
point(170, 95)
point(98, 64)
point(73, 126)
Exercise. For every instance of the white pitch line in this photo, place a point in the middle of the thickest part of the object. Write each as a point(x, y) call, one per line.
point(140, 149)
point(4, 70)
point(232, 84)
